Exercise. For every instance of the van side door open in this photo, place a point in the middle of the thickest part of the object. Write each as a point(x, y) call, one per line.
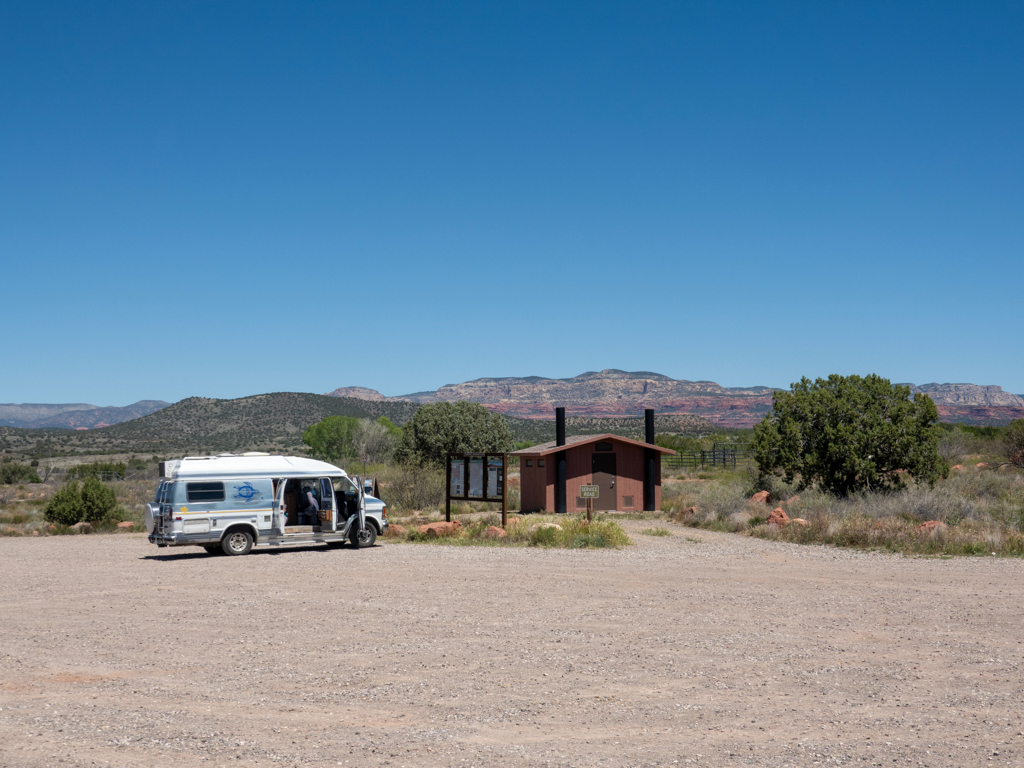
point(328, 518)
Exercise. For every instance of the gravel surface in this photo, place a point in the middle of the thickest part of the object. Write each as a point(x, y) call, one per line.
point(693, 649)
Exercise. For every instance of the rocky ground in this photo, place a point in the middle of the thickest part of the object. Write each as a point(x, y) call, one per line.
point(693, 649)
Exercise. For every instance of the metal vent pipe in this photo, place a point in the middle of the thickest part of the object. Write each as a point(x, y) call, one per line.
point(560, 507)
point(650, 457)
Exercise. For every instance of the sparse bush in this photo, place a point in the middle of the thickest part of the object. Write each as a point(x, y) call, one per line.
point(1013, 442)
point(410, 487)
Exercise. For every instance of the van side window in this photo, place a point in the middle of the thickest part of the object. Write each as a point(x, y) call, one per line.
point(195, 492)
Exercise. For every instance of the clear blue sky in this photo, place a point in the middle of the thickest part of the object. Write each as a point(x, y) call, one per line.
point(223, 199)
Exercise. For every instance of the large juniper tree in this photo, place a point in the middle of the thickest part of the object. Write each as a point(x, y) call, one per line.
point(847, 434)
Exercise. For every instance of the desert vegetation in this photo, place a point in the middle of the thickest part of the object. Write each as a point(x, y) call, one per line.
point(970, 504)
point(843, 462)
point(60, 502)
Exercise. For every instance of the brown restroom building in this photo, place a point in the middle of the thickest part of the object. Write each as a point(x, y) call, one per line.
point(615, 464)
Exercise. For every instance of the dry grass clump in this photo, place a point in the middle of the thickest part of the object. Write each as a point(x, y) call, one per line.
point(559, 532)
point(981, 511)
point(894, 534)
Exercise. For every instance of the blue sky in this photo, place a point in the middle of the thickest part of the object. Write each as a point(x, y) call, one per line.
point(223, 199)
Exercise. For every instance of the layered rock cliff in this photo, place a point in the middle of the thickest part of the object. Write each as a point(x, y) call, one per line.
point(613, 392)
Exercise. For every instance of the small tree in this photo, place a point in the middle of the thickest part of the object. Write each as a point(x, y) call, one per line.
point(442, 428)
point(331, 439)
point(1013, 442)
point(848, 434)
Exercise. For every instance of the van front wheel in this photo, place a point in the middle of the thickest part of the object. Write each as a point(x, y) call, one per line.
point(237, 543)
point(365, 537)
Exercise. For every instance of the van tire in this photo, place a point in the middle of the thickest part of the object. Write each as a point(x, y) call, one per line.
point(236, 542)
point(367, 539)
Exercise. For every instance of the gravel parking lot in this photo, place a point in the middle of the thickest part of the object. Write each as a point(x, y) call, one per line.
point(693, 649)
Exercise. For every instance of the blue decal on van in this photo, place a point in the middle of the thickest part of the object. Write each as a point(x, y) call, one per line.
point(246, 492)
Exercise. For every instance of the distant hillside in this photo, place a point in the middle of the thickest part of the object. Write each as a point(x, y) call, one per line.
point(272, 422)
point(101, 417)
point(73, 415)
point(24, 414)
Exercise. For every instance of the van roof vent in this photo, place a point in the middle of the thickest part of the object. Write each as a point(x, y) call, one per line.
point(255, 453)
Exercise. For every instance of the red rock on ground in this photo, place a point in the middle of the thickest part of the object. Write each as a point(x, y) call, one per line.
point(931, 525)
point(126, 524)
point(800, 521)
point(441, 529)
point(494, 532)
point(981, 465)
point(513, 519)
point(761, 497)
point(778, 517)
point(680, 515)
point(395, 530)
point(957, 466)
point(791, 501)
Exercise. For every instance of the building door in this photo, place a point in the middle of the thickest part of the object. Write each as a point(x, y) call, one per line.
point(603, 469)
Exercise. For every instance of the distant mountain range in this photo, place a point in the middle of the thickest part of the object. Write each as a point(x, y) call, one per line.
point(612, 392)
point(73, 415)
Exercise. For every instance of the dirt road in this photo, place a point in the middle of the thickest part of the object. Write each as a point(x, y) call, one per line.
point(695, 649)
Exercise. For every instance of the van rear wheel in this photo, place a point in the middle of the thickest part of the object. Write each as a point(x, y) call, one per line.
point(237, 543)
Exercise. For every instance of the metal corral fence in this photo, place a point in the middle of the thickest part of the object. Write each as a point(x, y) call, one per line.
point(731, 455)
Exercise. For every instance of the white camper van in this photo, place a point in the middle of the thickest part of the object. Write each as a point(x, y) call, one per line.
point(231, 503)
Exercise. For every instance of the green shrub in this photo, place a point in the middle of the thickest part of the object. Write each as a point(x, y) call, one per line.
point(65, 506)
point(99, 502)
point(12, 473)
point(91, 502)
